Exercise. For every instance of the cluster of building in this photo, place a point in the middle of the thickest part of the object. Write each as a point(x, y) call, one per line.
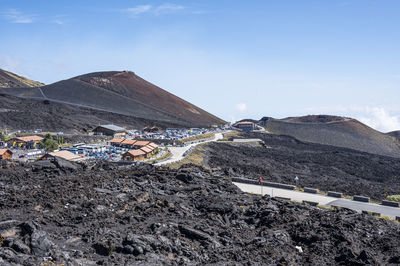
point(138, 149)
point(27, 142)
point(18, 144)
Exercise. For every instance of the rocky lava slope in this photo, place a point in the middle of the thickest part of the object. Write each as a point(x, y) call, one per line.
point(325, 167)
point(336, 131)
point(59, 212)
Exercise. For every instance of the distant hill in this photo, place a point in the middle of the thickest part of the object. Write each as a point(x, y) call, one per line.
point(336, 131)
point(121, 92)
point(11, 80)
point(395, 134)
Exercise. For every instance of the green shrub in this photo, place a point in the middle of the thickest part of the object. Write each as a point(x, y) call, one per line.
point(49, 143)
point(394, 198)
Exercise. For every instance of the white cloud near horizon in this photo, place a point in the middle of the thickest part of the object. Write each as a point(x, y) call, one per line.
point(16, 16)
point(378, 117)
point(241, 107)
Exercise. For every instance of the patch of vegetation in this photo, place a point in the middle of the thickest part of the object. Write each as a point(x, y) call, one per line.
point(161, 158)
point(195, 157)
point(198, 137)
point(230, 135)
point(49, 143)
point(395, 198)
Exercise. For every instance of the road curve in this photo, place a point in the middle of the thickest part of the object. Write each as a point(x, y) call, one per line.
point(178, 152)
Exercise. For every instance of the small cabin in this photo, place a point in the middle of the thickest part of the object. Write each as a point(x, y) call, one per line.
point(5, 154)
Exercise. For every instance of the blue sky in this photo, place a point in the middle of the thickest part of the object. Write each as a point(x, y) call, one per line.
point(235, 59)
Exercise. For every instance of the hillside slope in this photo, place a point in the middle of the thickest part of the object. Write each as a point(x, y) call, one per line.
point(11, 80)
point(335, 131)
point(20, 113)
point(121, 92)
point(395, 134)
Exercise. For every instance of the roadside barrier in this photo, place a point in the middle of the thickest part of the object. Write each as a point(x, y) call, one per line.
point(376, 214)
point(335, 194)
point(390, 203)
point(312, 203)
point(310, 190)
point(361, 198)
point(264, 183)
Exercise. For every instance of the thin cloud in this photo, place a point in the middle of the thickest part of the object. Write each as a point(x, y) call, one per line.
point(60, 20)
point(155, 10)
point(168, 8)
point(15, 16)
point(141, 9)
point(380, 119)
point(241, 107)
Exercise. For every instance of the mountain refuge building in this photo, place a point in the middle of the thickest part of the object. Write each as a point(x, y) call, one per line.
point(110, 130)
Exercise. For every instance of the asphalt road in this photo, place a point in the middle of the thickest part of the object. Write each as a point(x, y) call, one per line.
point(177, 152)
point(391, 212)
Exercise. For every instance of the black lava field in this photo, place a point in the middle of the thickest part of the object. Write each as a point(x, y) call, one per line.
point(55, 213)
point(324, 167)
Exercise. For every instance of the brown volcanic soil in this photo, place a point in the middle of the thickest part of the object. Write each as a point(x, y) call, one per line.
point(122, 93)
point(320, 166)
point(335, 131)
point(156, 216)
point(19, 113)
point(315, 119)
point(11, 80)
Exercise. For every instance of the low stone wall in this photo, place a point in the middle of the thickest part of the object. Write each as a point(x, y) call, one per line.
point(264, 183)
point(390, 203)
point(361, 198)
point(310, 190)
point(335, 194)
